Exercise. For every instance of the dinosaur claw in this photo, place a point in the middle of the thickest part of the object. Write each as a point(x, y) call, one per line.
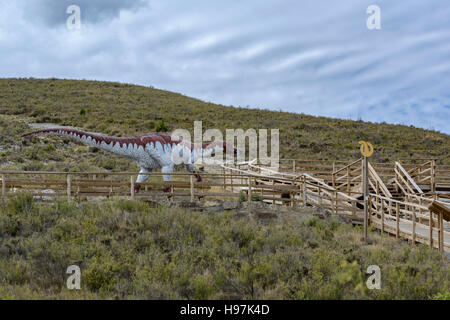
point(137, 187)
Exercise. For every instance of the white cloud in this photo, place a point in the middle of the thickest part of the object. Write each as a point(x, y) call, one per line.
point(302, 56)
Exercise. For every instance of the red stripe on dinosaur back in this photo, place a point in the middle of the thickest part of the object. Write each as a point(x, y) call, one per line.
point(139, 140)
point(143, 140)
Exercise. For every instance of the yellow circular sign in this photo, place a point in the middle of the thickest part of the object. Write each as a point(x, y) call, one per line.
point(366, 148)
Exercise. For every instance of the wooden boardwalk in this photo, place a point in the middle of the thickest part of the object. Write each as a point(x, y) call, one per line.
point(408, 218)
point(399, 198)
point(421, 231)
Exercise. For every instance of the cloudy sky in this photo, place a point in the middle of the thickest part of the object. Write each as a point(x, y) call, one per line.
point(317, 57)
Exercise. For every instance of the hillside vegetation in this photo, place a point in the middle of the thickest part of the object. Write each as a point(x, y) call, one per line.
point(134, 249)
point(122, 110)
point(127, 249)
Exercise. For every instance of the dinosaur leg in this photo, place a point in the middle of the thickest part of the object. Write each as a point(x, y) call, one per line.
point(142, 177)
point(168, 177)
point(190, 167)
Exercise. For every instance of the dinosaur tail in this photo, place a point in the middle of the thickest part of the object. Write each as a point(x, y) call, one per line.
point(127, 147)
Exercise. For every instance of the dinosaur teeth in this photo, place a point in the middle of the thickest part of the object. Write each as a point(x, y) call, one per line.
point(159, 147)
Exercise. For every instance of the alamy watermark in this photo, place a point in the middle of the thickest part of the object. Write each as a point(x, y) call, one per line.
point(374, 20)
point(374, 280)
point(234, 147)
point(73, 22)
point(74, 280)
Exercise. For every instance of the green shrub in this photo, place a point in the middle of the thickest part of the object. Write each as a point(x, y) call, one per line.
point(127, 249)
point(444, 295)
point(21, 203)
point(256, 197)
point(161, 127)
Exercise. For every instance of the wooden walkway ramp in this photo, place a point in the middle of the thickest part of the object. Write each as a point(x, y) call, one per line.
point(399, 201)
point(398, 207)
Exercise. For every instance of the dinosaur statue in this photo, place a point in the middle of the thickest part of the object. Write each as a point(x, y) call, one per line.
point(151, 151)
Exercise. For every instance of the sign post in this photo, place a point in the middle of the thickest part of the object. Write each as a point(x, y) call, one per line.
point(366, 151)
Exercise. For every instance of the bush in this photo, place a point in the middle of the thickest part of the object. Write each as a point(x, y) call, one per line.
point(21, 203)
point(161, 127)
point(242, 196)
point(129, 250)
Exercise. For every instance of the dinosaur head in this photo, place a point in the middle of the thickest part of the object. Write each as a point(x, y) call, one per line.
point(229, 148)
point(210, 149)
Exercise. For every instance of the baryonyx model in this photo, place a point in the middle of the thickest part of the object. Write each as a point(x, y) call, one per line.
point(151, 151)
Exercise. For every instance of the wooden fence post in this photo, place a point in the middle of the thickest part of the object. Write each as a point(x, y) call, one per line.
point(414, 225)
point(441, 232)
point(304, 192)
point(224, 179)
point(430, 224)
point(273, 191)
point(382, 215)
point(240, 174)
point(348, 181)
point(397, 214)
point(440, 211)
point(433, 176)
point(69, 186)
point(377, 188)
point(335, 202)
point(192, 188)
point(132, 188)
point(293, 166)
point(420, 209)
point(319, 196)
point(390, 209)
point(366, 192)
point(3, 187)
point(249, 189)
point(262, 193)
point(231, 181)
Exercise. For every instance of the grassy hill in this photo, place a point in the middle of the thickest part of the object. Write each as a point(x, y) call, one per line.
point(122, 109)
point(132, 249)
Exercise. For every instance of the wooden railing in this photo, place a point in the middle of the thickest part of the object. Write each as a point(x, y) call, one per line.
point(281, 190)
point(295, 189)
point(348, 176)
point(423, 174)
point(411, 221)
point(77, 185)
point(324, 168)
point(428, 199)
point(404, 181)
point(376, 183)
